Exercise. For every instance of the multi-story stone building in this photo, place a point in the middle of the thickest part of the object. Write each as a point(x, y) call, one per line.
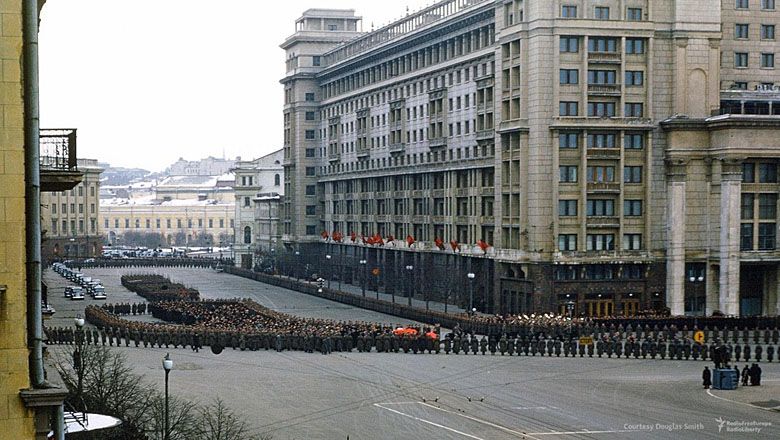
point(258, 190)
point(70, 217)
point(204, 223)
point(605, 154)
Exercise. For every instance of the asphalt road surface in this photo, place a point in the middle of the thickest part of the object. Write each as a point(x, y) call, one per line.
point(384, 396)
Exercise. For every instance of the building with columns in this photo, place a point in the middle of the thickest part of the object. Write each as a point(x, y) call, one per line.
point(610, 156)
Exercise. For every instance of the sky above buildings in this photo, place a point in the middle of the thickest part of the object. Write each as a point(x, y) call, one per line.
point(148, 81)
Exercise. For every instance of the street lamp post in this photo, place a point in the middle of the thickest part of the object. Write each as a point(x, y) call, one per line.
point(410, 268)
point(78, 361)
point(297, 266)
point(168, 366)
point(363, 264)
point(471, 277)
point(330, 270)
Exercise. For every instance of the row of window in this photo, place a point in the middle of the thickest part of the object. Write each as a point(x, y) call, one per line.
point(602, 109)
point(741, 60)
point(601, 13)
point(600, 242)
point(767, 206)
point(633, 46)
point(64, 208)
point(602, 77)
point(766, 233)
point(745, 4)
point(79, 190)
point(631, 140)
point(73, 230)
point(599, 272)
point(600, 208)
point(600, 174)
point(742, 31)
point(168, 223)
point(250, 180)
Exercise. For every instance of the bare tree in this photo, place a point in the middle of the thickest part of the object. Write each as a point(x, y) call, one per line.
point(218, 422)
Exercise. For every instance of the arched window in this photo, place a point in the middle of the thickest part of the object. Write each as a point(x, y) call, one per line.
point(277, 180)
point(247, 235)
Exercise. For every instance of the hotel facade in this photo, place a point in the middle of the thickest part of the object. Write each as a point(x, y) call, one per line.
point(577, 156)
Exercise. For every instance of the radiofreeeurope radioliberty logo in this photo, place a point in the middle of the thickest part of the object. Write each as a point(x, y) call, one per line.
point(741, 426)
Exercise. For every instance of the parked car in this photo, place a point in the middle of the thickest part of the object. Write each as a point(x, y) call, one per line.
point(99, 292)
point(78, 294)
point(68, 292)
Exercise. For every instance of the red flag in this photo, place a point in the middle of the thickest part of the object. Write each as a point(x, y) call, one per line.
point(337, 236)
point(377, 239)
point(483, 245)
point(324, 235)
point(353, 236)
point(409, 240)
point(390, 238)
point(454, 245)
point(439, 243)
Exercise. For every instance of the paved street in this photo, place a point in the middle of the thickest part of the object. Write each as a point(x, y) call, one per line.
point(294, 395)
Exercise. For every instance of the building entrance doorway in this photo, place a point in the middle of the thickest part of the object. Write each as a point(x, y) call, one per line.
point(630, 307)
point(751, 290)
point(246, 262)
point(600, 307)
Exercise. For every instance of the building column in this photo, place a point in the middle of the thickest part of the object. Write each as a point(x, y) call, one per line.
point(730, 196)
point(675, 236)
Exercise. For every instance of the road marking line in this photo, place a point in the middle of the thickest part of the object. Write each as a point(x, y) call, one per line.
point(584, 431)
point(535, 407)
point(484, 422)
point(397, 403)
point(429, 422)
point(741, 403)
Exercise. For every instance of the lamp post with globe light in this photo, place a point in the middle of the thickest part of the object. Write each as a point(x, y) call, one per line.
point(363, 264)
point(330, 269)
point(409, 269)
point(471, 277)
point(78, 361)
point(167, 366)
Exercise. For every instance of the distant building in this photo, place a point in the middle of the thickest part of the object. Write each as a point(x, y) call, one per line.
point(179, 222)
point(70, 217)
point(258, 189)
point(209, 166)
point(218, 187)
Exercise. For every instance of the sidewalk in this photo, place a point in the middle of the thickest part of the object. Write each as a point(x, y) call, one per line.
point(399, 299)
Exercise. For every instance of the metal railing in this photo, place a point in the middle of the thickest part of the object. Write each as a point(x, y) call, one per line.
point(58, 149)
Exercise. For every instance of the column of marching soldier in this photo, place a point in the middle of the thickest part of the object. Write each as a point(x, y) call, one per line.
point(244, 324)
point(283, 332)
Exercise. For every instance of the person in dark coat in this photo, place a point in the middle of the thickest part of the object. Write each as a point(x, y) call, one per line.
point(745, 375)
point(706, 377)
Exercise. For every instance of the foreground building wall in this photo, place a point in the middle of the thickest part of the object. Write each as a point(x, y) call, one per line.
point(536, 127)
point(15, 420)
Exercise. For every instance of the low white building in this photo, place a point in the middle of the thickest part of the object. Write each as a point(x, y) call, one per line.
point(258, 190)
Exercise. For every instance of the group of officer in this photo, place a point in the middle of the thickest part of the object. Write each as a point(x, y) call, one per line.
point(125, 309)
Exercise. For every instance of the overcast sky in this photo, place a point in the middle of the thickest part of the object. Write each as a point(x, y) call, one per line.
point(148, 81)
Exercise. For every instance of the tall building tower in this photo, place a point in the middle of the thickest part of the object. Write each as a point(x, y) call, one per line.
point(316, 32)
point(593, 157)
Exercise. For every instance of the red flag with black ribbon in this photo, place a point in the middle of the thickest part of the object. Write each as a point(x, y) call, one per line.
point(483, 245)
point(409, 240)
point(324, 235)
point(454, 245)
point(439, 243)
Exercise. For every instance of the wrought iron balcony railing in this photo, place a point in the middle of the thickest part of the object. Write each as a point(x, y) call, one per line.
point(58, 149)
